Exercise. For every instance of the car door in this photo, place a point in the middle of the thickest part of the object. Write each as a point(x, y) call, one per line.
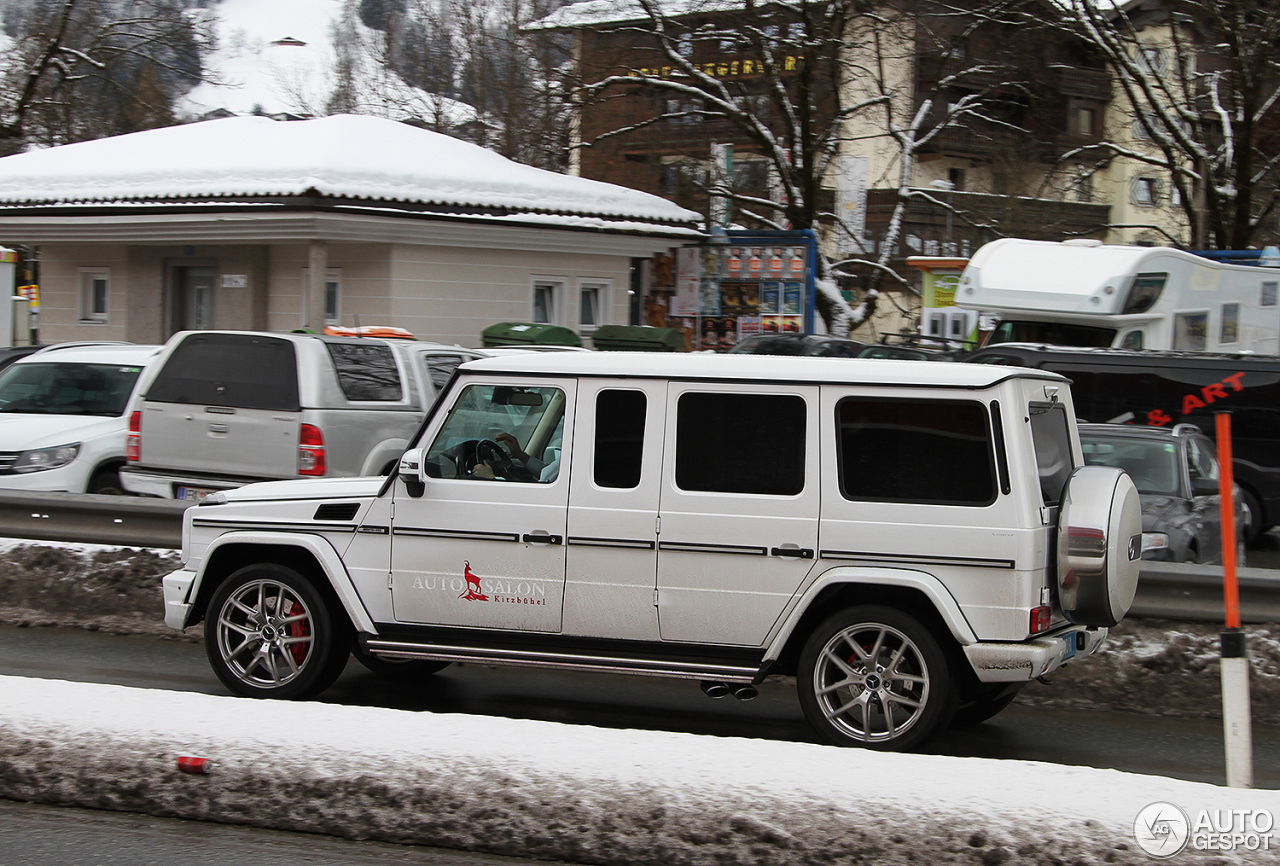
point(612, 556)
point(738, 509)
point(481, 544)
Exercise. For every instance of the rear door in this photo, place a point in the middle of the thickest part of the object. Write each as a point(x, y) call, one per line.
point(739, 508)
point(224, 404)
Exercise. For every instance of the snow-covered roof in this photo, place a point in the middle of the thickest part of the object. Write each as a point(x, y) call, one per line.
point(368, 159)
point(593, 13)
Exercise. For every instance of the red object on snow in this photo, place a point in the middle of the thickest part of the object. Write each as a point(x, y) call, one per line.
point(194, 765)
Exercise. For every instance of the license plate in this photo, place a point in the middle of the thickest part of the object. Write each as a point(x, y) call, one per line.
point(194, 494)
point(1070, 640)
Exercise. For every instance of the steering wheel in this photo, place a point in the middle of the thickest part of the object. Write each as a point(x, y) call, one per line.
point(488, 451)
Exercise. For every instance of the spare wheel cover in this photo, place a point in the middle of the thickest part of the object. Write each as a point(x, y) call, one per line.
point(1099, 545)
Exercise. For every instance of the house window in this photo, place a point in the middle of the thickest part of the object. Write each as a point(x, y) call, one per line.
point(955, 176)
point(95, 294)
point(546, 301)
point(591, 305)
point(332, 293)
point(1145, 191)
point(1085, 118)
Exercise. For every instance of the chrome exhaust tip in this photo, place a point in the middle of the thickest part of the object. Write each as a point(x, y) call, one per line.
point(745, 693)
point(716, 691)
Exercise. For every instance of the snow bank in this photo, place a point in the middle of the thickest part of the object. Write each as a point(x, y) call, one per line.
point(546, 790)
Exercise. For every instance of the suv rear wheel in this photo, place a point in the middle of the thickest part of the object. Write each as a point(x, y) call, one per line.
point(270, 634)
point(874, 676)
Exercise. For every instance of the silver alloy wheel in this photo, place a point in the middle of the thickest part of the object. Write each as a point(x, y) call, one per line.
point(265, 633)
point(871, 682)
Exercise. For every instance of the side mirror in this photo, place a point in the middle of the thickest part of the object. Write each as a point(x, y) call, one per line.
point(411, 471)
point(1204, 487)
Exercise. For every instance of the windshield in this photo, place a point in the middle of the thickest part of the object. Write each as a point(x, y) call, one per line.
point(67, 389)
point(1153, 466)
point(1054, 333)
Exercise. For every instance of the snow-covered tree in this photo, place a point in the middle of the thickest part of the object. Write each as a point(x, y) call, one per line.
point(819, 80)
point(81, 69)
point(1199, 107)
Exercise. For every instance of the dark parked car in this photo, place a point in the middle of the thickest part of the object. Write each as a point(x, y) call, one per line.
point(799, 344)
point(1176, 473)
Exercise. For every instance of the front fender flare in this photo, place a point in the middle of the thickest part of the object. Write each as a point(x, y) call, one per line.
point(932, 588)
point(318, 546)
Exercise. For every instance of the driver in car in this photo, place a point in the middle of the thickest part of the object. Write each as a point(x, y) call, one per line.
point(544, 472)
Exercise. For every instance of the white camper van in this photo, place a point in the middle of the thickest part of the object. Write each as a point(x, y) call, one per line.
point(1082, 292)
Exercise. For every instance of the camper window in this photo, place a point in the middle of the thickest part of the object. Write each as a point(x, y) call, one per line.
point(1190, 331)
point(1230, 324)
point(1144, 292)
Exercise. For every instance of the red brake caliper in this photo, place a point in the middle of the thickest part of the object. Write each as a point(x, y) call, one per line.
point(298, 628)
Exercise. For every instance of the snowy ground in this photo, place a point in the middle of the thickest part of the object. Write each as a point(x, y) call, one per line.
point(566, 792)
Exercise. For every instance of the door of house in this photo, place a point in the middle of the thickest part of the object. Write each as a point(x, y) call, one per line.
point(193, 307)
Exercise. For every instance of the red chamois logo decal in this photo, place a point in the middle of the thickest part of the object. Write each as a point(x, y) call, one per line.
point(473, 584)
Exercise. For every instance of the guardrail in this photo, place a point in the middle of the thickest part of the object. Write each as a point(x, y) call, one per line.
point(132, 521)
point(1166, 590)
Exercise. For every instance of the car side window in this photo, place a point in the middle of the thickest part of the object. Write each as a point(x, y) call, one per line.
point(501, 433)
point(619, 445)
point(1201, 461)
point(367, 371)
point(927, 451)
point(740, 443)
point(439, 368)
point(1052, 441)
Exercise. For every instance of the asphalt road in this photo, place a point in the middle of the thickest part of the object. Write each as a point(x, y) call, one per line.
point(1180, 748)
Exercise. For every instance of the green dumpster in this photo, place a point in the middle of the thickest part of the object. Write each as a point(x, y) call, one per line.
point(528, 334)
point(638, 338)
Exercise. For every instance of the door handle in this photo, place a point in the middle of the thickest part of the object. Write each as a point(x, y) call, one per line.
point(797, 552)
point(542, 538)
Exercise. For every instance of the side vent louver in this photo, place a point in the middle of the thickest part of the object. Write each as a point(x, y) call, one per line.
point(337, 511)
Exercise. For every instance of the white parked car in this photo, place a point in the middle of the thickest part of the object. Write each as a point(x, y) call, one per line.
point(913, 541)
point(63, 416)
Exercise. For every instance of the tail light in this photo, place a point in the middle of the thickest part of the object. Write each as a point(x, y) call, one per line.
point(310, 450)
point(133, 442)
point(1040, 619)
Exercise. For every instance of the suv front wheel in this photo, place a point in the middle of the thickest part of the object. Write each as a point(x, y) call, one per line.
point(874, 676)
point(270, 634)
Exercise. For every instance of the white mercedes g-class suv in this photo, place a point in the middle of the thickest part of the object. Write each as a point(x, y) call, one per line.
point(913, 541)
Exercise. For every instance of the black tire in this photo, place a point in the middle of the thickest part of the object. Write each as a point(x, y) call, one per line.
point(986, 704)
point(865, 660)
point(258, 653)
point(106, 482)
point(391, 669)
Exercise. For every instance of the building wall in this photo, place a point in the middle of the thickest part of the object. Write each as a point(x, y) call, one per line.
point(450, 295)
point(443, 293)
point(60, 307)
point(1156, 223)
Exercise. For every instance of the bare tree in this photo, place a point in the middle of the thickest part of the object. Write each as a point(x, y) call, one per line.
point(1200, 82)
point(84, 69)
point(816, 80)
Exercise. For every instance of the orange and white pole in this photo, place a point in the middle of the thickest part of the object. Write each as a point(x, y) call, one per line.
point(1236, 716)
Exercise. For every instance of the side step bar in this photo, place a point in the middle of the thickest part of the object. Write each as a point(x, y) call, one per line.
point(566, 661)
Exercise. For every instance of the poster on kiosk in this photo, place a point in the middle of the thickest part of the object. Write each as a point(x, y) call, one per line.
point(742, 284)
